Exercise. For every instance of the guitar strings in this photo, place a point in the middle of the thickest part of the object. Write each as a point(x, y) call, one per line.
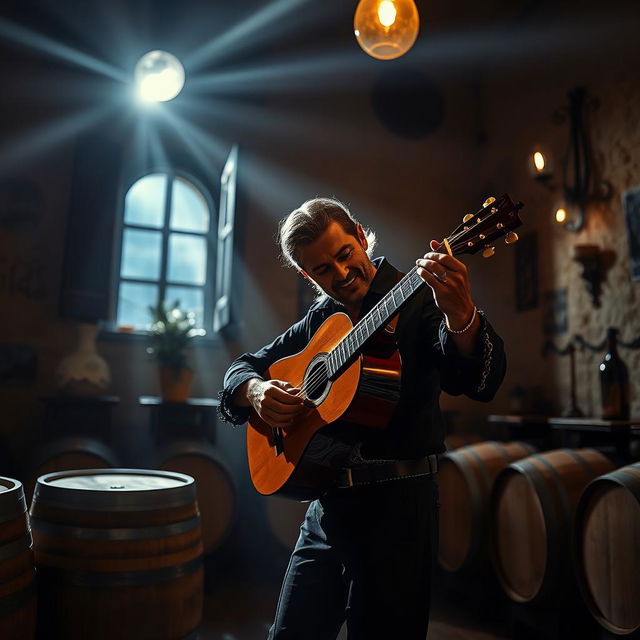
point(319, 378)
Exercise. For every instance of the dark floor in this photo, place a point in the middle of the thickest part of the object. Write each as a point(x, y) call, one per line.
point(241, 613)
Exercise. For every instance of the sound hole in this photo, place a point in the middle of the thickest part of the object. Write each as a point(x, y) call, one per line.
point(316, 382)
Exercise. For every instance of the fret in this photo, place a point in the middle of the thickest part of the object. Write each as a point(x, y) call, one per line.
point(374, 320)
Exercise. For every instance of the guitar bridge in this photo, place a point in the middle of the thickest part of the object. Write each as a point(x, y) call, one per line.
point(278, 440)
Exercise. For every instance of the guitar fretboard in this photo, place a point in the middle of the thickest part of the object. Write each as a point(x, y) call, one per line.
point(375, 319)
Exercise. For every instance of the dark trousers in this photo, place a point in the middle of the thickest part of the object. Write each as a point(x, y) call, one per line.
point(364, 555)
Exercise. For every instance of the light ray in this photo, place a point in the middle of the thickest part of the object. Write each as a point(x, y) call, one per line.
point(247, 120)
point(334, 69)
point(34, 40)
point(442, 52)
point(41, 140)
point(204, 146)
point(252, 29)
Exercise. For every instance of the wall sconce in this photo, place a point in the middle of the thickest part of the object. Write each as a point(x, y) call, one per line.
point(576, 178)
point(386, 29)
point(577, 172)
point(593, 268)
point(541, 164)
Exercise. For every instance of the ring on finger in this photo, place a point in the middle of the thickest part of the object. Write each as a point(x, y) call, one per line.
point(442, 277)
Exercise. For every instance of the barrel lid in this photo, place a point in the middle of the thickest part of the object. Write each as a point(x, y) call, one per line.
point(115, 489)
point(9, 484)
point(12, 502)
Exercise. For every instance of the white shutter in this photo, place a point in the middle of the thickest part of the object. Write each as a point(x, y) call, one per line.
point(222, 309)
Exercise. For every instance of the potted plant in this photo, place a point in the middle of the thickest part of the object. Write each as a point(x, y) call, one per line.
point(170, 334)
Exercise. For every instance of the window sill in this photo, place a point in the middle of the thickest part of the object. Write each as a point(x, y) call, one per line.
point(142, 337)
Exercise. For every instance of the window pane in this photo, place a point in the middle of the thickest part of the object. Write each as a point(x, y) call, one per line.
point(134, 300)
point(145, 201)
point(187, 259)
point(141, 254)
point(191, 299)
point(189, 209)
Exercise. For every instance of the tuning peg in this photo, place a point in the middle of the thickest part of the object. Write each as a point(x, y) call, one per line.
point(488, 252)
point(488, 201)
point(467, 217)
point(511, 237)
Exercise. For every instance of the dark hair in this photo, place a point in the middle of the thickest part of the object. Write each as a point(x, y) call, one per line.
point(309, 221)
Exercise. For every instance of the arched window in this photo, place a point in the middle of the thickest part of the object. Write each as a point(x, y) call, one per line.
point(166, 250)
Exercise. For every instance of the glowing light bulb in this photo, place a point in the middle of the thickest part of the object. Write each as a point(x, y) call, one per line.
point(159, 76)
point(561, 215)
point(386, 29)
point(387, 13)
point(538, 161)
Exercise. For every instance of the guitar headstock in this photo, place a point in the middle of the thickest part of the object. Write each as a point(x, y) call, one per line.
point(497, 218)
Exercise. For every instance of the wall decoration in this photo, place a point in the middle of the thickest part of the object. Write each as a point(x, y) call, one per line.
point(631, 203)
point(554, 312)
point(526, 260)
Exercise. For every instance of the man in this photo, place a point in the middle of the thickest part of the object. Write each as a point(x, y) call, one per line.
point(367, 547)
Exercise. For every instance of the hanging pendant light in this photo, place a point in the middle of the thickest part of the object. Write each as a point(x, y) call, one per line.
point(386, 29)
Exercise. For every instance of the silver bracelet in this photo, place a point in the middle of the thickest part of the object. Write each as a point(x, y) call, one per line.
point(466, 326)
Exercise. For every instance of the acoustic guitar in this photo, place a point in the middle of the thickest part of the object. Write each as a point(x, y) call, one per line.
point(350, 373)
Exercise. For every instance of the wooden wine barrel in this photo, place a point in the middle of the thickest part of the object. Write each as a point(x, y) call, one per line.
point(214, 485)
point(67, 454)
point(118, 554)
point(532, 508)
point(607, 549)
point(17, 574)
point(456, 440)
point(285, 517)
point(466, 477)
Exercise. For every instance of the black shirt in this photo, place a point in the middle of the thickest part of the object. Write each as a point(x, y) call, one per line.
point(430, 364)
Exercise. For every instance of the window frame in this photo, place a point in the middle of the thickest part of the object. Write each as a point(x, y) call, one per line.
point(110, 328)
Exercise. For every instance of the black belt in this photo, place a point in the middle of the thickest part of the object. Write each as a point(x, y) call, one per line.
point(385, 471)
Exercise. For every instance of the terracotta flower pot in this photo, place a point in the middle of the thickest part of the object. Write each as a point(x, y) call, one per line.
point(175, 385)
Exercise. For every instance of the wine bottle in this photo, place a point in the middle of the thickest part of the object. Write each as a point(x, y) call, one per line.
point(614, 381)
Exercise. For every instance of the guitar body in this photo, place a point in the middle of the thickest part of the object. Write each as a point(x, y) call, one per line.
point(299, 461)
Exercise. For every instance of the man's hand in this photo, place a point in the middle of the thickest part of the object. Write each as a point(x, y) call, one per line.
point(449, 281)
point(275, 401)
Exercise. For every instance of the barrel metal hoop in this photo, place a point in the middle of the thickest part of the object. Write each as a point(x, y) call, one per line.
point(582, 462)
point(114, 534)
point(630, 479)
point(531, 473)
point(16, 511)
point(499, 447)
point(119, 579)
point(482, 468)
point(12, 515)
point(15, 547)
point(9, 604)
point(551, 519)
point(111, 502)
point(479, 513)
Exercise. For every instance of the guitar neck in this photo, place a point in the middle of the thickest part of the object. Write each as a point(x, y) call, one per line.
point(375, 319)
point(495, 219)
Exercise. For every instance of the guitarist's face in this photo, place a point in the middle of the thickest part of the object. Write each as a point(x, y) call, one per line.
point(338, 263)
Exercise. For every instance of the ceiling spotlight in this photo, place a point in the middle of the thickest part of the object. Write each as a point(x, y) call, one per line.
point(159, 76)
